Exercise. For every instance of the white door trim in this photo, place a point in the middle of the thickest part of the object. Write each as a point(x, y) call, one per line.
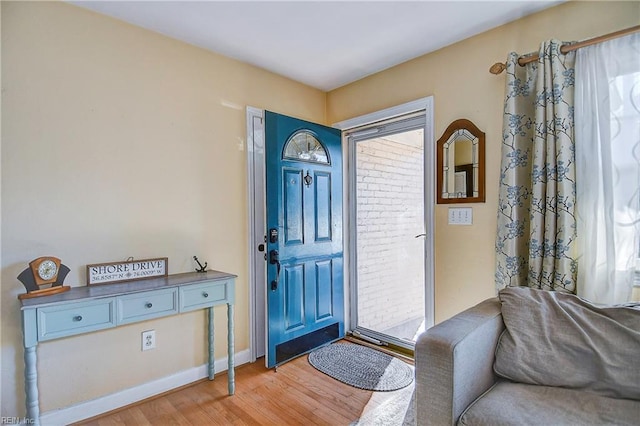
point(257, 220)
point(426, 105)
point(406, 108)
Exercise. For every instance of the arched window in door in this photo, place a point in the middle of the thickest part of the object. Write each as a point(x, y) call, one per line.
point(305, 146)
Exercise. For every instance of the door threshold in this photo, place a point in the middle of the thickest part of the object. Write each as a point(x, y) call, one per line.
point(388, 349)
point(359, 335)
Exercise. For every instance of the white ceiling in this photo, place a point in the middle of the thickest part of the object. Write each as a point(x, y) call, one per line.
point(325, 44)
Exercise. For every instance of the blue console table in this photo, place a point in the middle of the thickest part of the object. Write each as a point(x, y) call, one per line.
point(92, 308)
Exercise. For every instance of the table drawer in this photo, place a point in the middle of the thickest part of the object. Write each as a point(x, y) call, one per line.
point(147, 305)
point(202, 295)
point(75, 318)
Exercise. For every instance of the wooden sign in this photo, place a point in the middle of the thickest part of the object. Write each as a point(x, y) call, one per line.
point(130, 270)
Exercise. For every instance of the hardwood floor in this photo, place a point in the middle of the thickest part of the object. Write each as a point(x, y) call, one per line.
point(297, 394)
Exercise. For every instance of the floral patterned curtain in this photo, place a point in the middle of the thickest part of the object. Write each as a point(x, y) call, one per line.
point(536, 221)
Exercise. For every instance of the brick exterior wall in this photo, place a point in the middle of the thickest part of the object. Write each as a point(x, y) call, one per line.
point(390, 191)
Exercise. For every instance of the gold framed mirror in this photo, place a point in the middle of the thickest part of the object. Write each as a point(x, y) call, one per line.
point(460, 166)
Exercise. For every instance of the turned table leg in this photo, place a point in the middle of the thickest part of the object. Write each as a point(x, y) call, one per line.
point(31, 384)
point(231, 374)
point(30, 342)
point(211, 365)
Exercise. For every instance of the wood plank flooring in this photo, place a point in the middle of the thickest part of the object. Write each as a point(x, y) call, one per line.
point(295, 394)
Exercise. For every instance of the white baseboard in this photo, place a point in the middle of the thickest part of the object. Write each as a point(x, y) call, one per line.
point(92, 408)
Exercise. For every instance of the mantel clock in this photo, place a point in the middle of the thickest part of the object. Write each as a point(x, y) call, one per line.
point(43, 277)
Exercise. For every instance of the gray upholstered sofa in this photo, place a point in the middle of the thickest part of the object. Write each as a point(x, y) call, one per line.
point(531, 357)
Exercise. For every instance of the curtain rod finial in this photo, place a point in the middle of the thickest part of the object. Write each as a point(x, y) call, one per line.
point(497, 68)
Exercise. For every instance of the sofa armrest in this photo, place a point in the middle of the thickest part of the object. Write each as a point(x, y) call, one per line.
point(454, 363)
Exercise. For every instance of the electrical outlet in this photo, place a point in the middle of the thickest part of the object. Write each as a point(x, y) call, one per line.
point(148, 340)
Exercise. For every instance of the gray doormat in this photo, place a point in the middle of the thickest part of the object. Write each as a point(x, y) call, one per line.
point(362, 367)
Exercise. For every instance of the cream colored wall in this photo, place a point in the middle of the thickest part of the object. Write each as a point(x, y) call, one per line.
point(120, 142)
point(458, 78)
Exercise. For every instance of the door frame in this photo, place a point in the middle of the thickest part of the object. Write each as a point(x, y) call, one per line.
point(256, 273)
point(256, 204)
point(420, 105)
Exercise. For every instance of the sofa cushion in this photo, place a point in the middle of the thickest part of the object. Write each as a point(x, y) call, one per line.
point(508, 403)
point(558, 339)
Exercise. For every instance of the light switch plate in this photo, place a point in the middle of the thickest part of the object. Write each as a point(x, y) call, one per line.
point(460, 216)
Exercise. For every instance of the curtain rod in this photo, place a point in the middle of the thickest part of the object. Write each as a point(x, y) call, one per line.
point(498, 67)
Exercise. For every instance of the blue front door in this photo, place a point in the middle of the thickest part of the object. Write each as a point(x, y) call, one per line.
point(305, 300)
